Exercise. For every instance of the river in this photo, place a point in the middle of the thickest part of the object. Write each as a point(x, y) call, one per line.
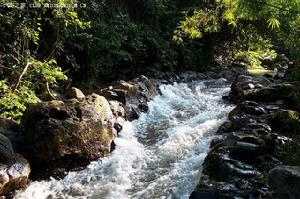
point(157, 156)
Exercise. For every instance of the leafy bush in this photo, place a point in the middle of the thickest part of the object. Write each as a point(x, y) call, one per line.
point(15, 96)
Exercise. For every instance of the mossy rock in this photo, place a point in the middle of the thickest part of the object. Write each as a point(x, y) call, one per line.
point(66, 135)
point(289, 153)
point(287, 121)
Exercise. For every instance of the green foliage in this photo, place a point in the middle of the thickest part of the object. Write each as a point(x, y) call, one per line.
point(122, 47)
point(257, 48)
point(23, 47)
point(271, 20)
point(202, 21)
point(273, 23)
point(116, 39)
point(47, 71)
point(13, 102)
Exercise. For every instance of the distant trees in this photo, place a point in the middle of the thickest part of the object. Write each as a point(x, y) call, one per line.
point(111, 39)
point(257, 25)
point(28, 52)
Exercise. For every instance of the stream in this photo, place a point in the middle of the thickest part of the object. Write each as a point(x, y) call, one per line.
point(157, 156)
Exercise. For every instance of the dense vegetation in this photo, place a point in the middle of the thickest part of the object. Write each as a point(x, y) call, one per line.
point(42, 48)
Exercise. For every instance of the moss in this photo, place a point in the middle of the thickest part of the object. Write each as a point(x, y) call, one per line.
point(287, 121)
point(289, 153)
point(261, 72)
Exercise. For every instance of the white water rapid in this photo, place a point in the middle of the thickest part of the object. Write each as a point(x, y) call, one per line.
point(157, 156)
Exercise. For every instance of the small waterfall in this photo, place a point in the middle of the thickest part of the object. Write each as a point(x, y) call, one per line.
point(157, 156)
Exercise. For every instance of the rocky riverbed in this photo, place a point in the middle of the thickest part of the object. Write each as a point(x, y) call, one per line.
point(259, 138)
point(254, 153)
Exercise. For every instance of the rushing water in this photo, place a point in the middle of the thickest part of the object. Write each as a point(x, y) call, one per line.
point(157, 156)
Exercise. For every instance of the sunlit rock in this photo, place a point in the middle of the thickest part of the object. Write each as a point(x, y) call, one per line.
point(14, 169)
point(63, 135)
point(74, 93)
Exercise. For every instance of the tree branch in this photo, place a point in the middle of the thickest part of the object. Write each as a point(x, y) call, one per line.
point(21, 76)
point(49, 91)
point(1, 66)
point(277, 7)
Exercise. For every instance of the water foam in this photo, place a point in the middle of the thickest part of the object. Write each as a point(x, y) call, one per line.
point(157, 156)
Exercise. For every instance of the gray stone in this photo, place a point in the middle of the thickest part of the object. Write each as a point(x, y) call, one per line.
point(285, 182)
point(74, 93)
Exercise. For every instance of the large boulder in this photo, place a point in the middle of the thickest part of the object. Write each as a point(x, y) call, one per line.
point(220, 167)
point(63, 135)
point(272, 93)
point(14, 169)
point(134, 95)
point(240, 158)
point(285, 182)
point(243, 84)
point(260, 89)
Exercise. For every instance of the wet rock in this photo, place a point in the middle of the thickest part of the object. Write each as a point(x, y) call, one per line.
point(115, 94)
point(74, 93)
point(260, 89)
point(208, 195)
point(17, 174)
point(169, 78)
point(134, 95)
point(245, 84)
point(189, 76)
point(247, 123)
point(248, 107)
point(285, 182)
point(268, 60)
point(245, 149)
point(239, 161)
point(7, 156)
point(252, 139)
point(272, 93)
point(63, 135)
point(118, 127)
point(14, 169)
point(133, 113)
point(143, 107)
point(225, 176)
point(117, 108)
point(216, 141)
point(131, 88)
point(225, 127)
point(239, 188)
point(220, 167)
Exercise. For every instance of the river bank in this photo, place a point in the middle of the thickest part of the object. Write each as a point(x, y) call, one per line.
point(257, 155)
point(66, 134)
point(49, 132)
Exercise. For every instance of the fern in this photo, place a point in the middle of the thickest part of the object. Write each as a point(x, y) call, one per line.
point(273, 23)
